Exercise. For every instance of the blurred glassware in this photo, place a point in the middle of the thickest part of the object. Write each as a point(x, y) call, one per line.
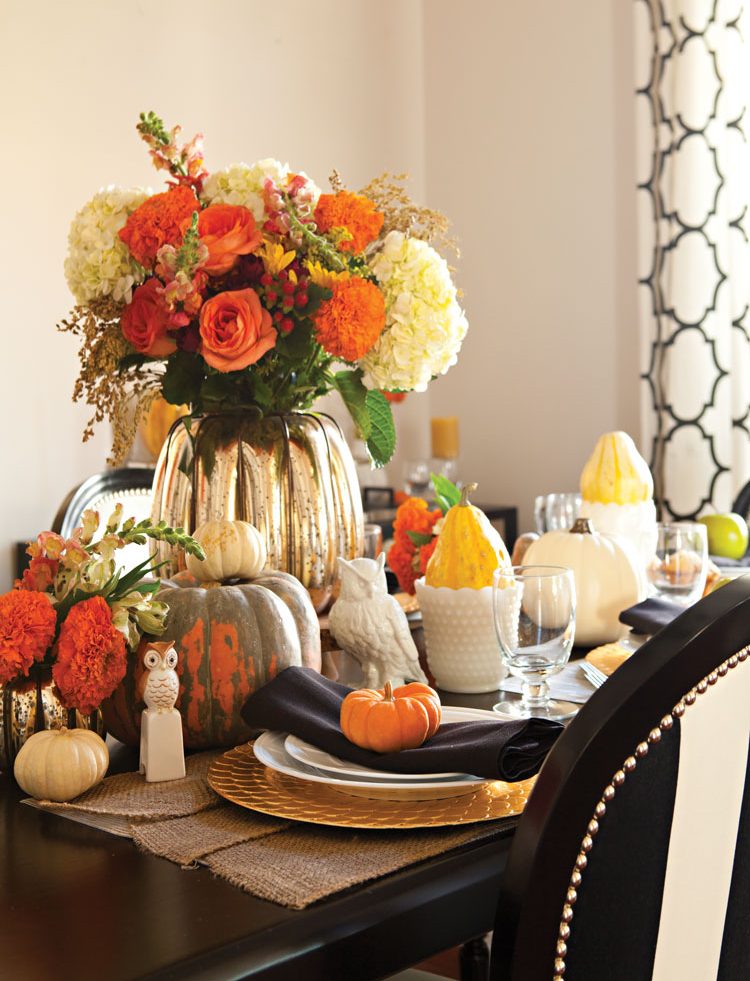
point(556, 512)
point(679, 566)
point(444, 467)
point(534, 610)
point(373, 541)
point(416, 474)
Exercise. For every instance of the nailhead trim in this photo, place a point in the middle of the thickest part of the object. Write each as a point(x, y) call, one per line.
point(618, 779)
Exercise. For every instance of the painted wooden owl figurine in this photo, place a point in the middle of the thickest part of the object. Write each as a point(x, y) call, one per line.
point(161, 685)
point(162, 753)
point(370, 625)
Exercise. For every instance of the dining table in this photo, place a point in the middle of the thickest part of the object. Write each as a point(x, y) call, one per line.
point(79, 902)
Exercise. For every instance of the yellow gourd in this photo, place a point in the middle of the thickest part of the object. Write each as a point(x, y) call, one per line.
point(616, 473)
point(158, 421)
point(468, 549)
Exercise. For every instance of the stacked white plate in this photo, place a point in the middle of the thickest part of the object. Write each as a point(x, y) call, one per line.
point(294, 757)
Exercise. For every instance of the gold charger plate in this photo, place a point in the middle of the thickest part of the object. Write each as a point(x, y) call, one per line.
point(239, 777)
point(608, 657)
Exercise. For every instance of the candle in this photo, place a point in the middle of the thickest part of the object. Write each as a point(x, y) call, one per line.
point(445, 437)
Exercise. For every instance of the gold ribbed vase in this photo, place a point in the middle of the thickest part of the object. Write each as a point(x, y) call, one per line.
point(31, 705)
point(292, 476)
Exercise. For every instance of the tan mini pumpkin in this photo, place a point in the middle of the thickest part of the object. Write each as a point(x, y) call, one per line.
point(233, 550)
point(60, 764)
point(389, 720)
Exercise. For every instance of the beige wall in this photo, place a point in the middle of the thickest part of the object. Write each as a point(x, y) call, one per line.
point(529, 147)
point(514, 118)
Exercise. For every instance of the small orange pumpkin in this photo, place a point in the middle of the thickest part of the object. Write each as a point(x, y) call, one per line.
point(389, 719)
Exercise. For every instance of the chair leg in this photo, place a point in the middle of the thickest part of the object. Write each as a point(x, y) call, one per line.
point(474, 960)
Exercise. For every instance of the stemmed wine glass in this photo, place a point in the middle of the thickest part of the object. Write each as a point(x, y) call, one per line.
point(534, 609)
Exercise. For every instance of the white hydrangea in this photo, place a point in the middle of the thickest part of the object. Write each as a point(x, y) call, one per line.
point(424, 325)
point(99, 264)
point(240, 184)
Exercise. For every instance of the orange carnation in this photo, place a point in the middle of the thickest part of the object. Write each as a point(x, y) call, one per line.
point(91, 656)
point(348, 324)
point(27, 628)
point(160, 220)
point(235, 329)
point(354, 213)
point(228, 231)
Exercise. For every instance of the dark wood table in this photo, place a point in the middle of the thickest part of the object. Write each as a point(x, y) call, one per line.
point(79, 903)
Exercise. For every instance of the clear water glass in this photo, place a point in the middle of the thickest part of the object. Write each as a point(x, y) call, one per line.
point(416, 474)
point(677, 570)
point(534, 609)
point(556, 512)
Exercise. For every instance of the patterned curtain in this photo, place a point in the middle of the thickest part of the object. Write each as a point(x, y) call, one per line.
point(693, 65)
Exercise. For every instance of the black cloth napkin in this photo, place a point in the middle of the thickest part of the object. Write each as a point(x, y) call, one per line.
point(302, 702)
point(651, 615)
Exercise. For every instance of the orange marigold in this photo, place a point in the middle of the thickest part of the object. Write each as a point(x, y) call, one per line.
point(354, 213)
point(27, 628)
point(91, 656)
point(160, 220)
point(348, 324)
point(406, 559)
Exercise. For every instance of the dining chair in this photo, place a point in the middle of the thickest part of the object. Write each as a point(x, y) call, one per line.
point(631, 860)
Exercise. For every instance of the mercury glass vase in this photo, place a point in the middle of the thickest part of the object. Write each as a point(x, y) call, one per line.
point(292, 476)
point(31, 705)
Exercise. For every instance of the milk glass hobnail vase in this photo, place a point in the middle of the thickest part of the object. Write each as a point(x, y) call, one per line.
point(291, 475)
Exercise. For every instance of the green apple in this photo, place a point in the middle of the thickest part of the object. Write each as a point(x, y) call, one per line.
point(727, 534)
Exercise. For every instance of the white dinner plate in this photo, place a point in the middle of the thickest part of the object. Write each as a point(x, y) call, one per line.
point(269, 749)
point(319, 759)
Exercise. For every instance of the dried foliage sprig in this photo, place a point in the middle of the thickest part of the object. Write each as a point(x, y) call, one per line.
point(402, 215)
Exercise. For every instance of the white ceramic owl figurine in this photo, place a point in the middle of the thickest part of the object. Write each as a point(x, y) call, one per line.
point(162, 753)
point(371, 626)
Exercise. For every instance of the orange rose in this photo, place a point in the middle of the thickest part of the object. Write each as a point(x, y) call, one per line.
point(145, 320)
point(228, 231)
point(236, 330)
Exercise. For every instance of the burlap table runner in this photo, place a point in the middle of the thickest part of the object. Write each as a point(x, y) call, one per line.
point(285, 862)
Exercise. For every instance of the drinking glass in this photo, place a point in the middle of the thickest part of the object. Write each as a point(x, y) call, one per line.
point(416, 475)
point(678, 569)
point(534, 608)
point(556, 512)
point(373, 540)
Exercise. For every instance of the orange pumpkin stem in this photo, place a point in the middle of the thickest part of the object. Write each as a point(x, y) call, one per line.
point(388, 692)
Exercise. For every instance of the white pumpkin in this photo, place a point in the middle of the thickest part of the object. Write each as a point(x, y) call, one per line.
point(608, 577)
point(60, 764)
point(233, 550)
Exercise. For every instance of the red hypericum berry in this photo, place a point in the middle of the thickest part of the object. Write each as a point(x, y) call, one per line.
point(271, 297)
point(287, 304)
point(288, 287)
point(277, 316)
point(286, 324)
point(266, 279)
point(301, 299)
point(283, 275)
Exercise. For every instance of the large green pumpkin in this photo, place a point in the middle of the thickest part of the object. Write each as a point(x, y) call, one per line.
point(230, 639)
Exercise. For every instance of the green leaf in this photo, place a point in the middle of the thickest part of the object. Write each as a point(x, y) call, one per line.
point(418, 538)
point(446, 492)
point(353, 392)
point(182, 379)
point(381, 441)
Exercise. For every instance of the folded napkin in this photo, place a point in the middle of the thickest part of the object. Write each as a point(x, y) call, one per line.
point(302, 702)
point(651, 615)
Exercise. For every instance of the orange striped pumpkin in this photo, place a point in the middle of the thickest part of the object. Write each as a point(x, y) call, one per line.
point(231, 640)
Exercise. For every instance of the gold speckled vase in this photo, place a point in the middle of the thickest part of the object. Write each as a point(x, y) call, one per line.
point(291, 475)
point(31, 705)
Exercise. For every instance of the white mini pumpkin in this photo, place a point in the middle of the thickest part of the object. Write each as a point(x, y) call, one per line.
point(233, 550)
point(60, 764)
point(607, 573)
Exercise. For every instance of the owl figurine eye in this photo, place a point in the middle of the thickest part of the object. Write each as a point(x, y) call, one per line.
point(171, 658)
point(151, 659)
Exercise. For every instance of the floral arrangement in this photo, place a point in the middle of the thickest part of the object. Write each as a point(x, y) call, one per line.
point(415, 532)
point(248, 287)
point(73, 611)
